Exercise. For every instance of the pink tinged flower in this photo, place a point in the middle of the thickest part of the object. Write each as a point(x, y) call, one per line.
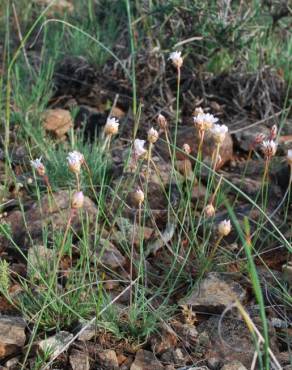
point(224, 227)
point(289, 157)
point(187, 148)
point(153, 135)
point(111, 127)
point(219, 132)
point(38, 166)
point(269, 148)
point(176, 59)
point(209, 210)
point(139, 150)
point(259, 139)
point(77, 200)
point(205, 121)
point(75, 160)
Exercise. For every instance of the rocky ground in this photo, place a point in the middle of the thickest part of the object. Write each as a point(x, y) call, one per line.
point(203, 329)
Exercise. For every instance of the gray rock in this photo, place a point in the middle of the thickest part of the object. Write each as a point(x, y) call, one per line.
point(55, 343)
point(88, 333)
point(234, 365)
point(53, 213)
point(109, 255)
point(214, 293)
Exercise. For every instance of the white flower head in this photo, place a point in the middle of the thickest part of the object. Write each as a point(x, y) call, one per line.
point(112, 126)
point(289, 157)
point(224, 227)
point(38, 166)
point(176, 58)
point(269, 148)
point(75, 160)
point(205, 121)
point(219, 132)
point(153, 135)
point(139, 150)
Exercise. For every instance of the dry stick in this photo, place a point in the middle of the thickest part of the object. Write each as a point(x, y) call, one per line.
point(114, 105)
point(20, 37)
point(67, 345)
point(50, 191)
point(258, 122)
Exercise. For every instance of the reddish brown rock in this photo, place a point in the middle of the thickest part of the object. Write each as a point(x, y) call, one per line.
point(57, 122)
point(146, 360)
point(52, 213)
point(12, 335)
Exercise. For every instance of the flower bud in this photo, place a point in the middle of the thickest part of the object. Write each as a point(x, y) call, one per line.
point(187, 148)
point(77, 200)
point(224, 227)
point(273, 132)
point(197, 111)
point(111, 127)
point(289, 157)
point(153, 135)
point(139, 196)
point(162, 122)
point(209, 210)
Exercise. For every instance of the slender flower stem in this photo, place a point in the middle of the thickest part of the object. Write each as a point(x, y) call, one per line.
point(148, 162)
point(202, 135)
point(168, 143)
point(212, 254)
point(215, 156)
point(267, 164)
point(131, 265)
point(78, 181)
point(175, 132)
point(216, 191)
point(71, 215)
point(132, 250)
